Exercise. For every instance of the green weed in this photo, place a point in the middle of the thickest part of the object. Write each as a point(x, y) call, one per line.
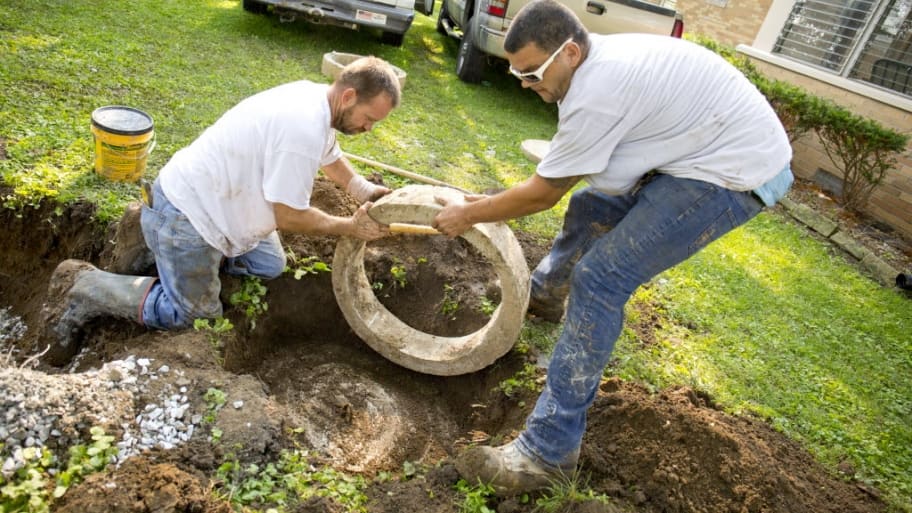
point(287, 482)
point(250, 299)
point(398, 272)
point(28, 490)
point(215, 399)
point(525, 379)
point(487, 306)
point(475, 497)
point(567, 494)
point(304, 266)
point(215, 330)
point(449, 305)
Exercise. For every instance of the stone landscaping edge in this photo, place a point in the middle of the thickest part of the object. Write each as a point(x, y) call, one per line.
point(878, 269)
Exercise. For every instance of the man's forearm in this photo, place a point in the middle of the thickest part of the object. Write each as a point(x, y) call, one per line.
point(534, 195)
point(509, 204)
point(311, 221)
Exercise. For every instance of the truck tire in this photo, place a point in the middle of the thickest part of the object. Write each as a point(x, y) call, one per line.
point(254, 6)
point(470, 62)
point(443, 18)
point(392, 38)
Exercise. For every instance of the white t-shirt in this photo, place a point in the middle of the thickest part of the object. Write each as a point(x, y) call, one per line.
point(644, 102)
point(267, 149)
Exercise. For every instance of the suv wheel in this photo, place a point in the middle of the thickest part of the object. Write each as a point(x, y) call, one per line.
point(470, 62)
point(254, 6)
point(392, 38)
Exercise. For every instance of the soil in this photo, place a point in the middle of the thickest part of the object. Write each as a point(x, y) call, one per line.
point(301, 378)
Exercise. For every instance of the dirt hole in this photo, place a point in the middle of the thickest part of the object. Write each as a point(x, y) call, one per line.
point(301, 378)
point(433, 284)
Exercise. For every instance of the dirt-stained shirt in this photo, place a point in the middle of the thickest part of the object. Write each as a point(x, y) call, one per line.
point(642, 102)
point(267, 149)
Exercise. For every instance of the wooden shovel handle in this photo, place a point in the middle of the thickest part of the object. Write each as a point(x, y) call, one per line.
point(412, 229)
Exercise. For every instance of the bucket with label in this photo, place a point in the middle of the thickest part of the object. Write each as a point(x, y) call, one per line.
point(124, 138)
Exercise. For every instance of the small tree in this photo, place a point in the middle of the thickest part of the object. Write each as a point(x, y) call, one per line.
point(861, 148)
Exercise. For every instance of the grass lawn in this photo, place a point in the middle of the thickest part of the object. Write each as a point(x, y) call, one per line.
point(768, 320)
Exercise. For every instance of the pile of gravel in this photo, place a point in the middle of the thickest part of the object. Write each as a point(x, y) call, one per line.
point(57, 411)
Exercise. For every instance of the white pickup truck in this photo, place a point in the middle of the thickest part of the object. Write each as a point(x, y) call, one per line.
point(482, 25)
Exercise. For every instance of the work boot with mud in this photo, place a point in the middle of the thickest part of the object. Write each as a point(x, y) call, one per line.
point(543, 310)
point(509, 471)
point(130, 254)
point(79, 292)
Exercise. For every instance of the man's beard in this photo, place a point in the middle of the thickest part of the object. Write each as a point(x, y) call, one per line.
point(342, 122)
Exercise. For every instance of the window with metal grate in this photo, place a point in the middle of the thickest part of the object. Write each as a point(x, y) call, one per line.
point(865, 40)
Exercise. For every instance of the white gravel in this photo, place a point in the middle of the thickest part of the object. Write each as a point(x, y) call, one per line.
point(57, 411)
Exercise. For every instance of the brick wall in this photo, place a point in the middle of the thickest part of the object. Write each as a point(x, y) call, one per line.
point(731, 22)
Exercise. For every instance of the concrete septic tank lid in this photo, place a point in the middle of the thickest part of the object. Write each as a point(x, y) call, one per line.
point(535, 149)
point(334, 61)
point(414, 349)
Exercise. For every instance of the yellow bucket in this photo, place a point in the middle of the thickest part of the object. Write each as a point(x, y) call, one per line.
point(123, 140)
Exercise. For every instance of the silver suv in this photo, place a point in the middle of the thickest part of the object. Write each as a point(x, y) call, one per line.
point(392, 17)
point(482, 25)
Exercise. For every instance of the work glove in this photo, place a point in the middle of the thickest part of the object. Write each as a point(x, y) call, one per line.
point(363, 190)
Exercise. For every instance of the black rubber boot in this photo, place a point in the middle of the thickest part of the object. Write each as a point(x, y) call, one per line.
point(79, 292)
point(509, 471)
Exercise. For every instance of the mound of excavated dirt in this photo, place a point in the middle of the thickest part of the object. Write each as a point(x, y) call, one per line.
point(301, 378)
point(673, 452)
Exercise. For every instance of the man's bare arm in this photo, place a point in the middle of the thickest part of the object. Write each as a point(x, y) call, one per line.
point(564, 183)
point(534, 195)
point(313, 221)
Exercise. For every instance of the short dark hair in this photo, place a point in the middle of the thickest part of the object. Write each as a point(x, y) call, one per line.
point(370, 76)
point(547, 24)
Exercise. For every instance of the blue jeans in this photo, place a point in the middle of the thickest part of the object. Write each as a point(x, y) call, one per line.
point(609, 246)
point(188, 267)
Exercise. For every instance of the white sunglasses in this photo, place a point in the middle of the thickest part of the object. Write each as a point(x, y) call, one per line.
point(537, 75)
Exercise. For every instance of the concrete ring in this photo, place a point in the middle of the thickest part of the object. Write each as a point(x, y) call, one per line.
point(414, 349)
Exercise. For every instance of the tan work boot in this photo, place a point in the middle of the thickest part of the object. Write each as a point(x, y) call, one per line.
point(545, 311)
point(508, 470)
point(79, 292)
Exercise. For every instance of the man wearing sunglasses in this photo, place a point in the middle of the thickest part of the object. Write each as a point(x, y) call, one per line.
point(677, 147)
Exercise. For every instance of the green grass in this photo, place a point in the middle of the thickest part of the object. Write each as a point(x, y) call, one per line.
point(185, 63)
point(767, 320)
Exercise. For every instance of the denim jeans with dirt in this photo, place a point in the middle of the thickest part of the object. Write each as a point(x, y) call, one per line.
point(188, 267)
point(609, 246)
